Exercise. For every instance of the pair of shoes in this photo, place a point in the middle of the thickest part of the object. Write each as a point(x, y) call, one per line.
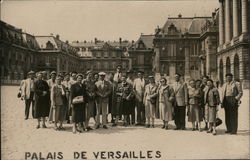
point(44, 126)
point(98, 126)
point(200, 130)
point(206, 128)
point(38, 126)
point(163, 126)
point(25, 118)
point(193, 129)
point(56, 128)
point(147, 126)
point(105, 127)
point(138, 124)
point(183, 128)
point(166, 127)
point(233, 133)
point(61, 128)
point(227, 131)
point(89, 128)
point(152, 126)
point(177, 128)
point(114, 124)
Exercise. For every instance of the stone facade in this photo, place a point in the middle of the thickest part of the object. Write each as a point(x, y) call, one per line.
point(177, 47)
point(103, 56)
point(234, 40)
point(141, 53)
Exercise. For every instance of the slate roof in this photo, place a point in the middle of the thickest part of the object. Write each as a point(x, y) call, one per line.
point(42, 40)
point(147, 40)
point(186, 24)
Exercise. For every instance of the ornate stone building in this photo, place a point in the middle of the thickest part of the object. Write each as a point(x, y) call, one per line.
point(56, 55)
point(177, 47)
point(103, 56)
point(141, 53)
point(18, 52)
point(234, 40)
point(209, 43)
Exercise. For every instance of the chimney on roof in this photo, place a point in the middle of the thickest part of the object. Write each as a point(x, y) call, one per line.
point(67, 42)
point(179, 16)
point(77, 41)
point(95, 40)
point(213, 15)
point(120, 40)
point(85, 41)
point(57, 36)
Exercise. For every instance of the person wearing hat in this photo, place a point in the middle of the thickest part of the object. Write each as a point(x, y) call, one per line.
point(91, 95)
point(44, 73)
point(149, 101)
point(103, 91)
point(118, 74)
point(78, 98)
point(181, 101)
point(230, 98)
point(139, 88)
point(58, 103)
point(27, 89)
point(42, 100)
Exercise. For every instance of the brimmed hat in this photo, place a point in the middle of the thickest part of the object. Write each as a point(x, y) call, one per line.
point(31, 72)
point(229, 74)
point(53, 72)
point(151, 76)
point(102, 73)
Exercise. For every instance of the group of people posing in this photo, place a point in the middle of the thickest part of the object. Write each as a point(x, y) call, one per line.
point(134, 101)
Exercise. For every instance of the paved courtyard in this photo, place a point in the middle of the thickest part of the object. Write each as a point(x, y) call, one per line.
point(19, 136)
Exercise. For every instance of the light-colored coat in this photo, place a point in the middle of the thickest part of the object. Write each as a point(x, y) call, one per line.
point(236, 90)
point(139, 88)
point(25, 88)
point(180, 94)
point(103, 92)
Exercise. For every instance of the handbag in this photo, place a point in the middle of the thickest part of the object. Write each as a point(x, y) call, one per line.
point(77, 100)
point(218, 121)
point(19, 95)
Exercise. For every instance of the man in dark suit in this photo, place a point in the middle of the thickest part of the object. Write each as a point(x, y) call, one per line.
point(181, 101)
point(231, 95)
point(103, 91)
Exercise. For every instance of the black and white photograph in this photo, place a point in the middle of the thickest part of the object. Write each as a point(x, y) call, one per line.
point(124, 79)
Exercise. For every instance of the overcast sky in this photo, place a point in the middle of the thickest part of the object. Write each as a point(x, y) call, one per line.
point(106, 20)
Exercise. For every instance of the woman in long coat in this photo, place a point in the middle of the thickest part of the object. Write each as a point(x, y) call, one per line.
point(165, 100)
point(58, 103)
point(42, 100)
point(78, 90)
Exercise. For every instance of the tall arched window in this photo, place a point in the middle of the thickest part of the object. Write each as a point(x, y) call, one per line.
point(228, 65)
point(221, 74)
point(236, 68)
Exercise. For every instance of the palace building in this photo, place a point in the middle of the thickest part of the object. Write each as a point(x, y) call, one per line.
point(234, 40)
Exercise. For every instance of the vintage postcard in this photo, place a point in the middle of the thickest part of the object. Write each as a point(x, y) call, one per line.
point(125, 79)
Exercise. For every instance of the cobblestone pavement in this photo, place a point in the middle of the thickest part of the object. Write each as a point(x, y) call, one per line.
point(19, 136)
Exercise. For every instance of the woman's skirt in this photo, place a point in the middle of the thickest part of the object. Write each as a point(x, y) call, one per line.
point(150, 110)
point(125, 107)
point(194, 113)
point(78, 113)
point(165, 111)
point(58, 114)
point(90, 109)
point(211, 118)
